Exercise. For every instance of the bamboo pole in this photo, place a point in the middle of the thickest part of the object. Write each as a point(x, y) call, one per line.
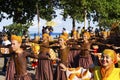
point(85, 19)
point(38, 18)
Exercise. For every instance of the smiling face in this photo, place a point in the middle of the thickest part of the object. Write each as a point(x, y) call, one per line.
point(106, 60)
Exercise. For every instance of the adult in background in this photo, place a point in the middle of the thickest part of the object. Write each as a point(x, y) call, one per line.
point(65, 33)
point(5, 43)
point(74, 33)
point(78, 32)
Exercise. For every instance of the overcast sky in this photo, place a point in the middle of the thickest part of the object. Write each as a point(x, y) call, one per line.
point(58, 28)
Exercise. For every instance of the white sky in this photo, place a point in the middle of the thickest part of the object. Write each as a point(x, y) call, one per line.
point(58, 28)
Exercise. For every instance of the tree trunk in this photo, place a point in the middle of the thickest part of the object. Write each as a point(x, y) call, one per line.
point(38, 18)
point(73, 22)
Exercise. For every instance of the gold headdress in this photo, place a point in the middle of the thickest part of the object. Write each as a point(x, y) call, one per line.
point(63, 37)
point(112, 54)
point(46, 35)
point(18, 38)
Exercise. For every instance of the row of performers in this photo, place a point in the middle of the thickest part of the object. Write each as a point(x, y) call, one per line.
point(71, 53)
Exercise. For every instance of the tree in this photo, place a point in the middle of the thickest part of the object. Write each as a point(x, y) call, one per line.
point(74, 9)
point(23, 11)
point(104, 10)
point(17, 28)
point(107, 11)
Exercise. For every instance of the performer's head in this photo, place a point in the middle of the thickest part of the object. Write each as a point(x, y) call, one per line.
point(108, 58)
point(45, 37)
point(86, 36)
point(104, 34)
point(62, 40)
point(5, 37)
point(16, 42)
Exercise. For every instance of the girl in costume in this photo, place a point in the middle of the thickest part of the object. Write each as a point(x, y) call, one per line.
point(106, 71)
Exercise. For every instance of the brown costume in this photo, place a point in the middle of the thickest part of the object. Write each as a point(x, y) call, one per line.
point(17, 67)
point(44, 69)
point(64, 56)
point(85, 59)
point(74, 52)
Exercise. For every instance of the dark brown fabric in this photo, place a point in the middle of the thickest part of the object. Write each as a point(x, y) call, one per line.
point(102, 46)
point(17, 67)
point(65, 59)
point(44, 69)
point(61, 75)
point(10, 70)
point(23, 77)
point(74, 56)
point(85, 62)
point(85, 59)
point(64, 56)
point(85, 49)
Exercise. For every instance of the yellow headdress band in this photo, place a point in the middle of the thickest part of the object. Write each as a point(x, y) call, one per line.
point(112, 54)
point(35, 48)
point(17, 38)
point(46, 35)
point(63, 37)
point(104, 33)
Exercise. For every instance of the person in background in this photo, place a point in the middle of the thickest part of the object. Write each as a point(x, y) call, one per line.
point(106, 71)
point(65, 33)
point(78, 32)
point(4, 30)
point(36, 49)
point(97, 32)
point(0, 38)
point(5, 43)
point(82, 31)
point(50, 28)
point(74, 33)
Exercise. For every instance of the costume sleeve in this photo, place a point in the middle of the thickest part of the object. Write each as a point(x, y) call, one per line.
point(44, 56)
point(30, 54)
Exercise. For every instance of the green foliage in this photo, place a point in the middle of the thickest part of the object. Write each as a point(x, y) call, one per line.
point(17, 28)
point(23, 11)
point(47, 9)
point(109, 11)
point(73, 8)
